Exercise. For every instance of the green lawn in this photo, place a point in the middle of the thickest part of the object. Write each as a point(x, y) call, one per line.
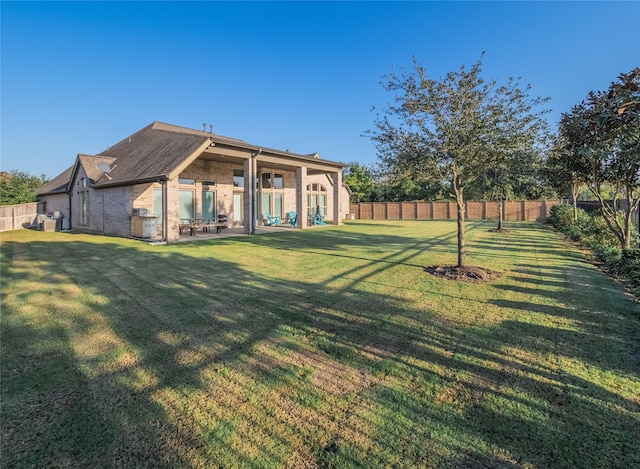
point(324, 348)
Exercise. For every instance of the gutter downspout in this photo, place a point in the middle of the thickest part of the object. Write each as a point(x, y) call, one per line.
point(70, 209)
point(165, 210)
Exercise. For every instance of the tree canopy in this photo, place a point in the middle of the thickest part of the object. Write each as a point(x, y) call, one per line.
point(360, 181)
point(453, 129)
point(599, 143)
point(18, 187)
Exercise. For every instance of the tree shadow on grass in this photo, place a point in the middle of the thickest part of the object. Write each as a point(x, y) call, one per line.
point(185, 360)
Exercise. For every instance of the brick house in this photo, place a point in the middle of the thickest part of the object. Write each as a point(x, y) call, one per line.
point(175, 173)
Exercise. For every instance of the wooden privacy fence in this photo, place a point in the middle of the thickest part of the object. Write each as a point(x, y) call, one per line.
point(526, 210)
point(14, 217)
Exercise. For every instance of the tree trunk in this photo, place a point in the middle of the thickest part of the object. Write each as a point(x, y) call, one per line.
point(627, 231)
point(500, 210)
point(632, 206)
point(458, 188)
point(462, 255)
point(611, 218)
point(574, 194)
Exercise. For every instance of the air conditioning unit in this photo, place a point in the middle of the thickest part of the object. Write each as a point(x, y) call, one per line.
point(144, 227)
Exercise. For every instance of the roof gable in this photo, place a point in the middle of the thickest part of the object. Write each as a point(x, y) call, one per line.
point(91, 165)
point(153, 152)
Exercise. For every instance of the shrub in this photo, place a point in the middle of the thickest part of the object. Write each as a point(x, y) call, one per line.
point(623, 263)
point(596, 232)
point(561, 216)
point(630, 265)
point(608, 255)
point(590, 229)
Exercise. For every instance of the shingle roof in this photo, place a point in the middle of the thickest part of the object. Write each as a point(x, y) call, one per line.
point(91, 165)
point(152, 152)
point(58, 185)
point(158, 150)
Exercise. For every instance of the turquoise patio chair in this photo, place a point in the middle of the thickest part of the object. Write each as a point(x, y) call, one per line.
point(319, 220)
point(293, 219)
point(317, 217)
point(272, 221)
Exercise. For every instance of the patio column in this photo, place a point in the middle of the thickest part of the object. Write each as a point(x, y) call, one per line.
point(249, 167)
point(337, 205)
point(301, 196)
point(173, 210)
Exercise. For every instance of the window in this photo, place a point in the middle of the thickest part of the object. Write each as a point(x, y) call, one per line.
point(265, 204)
point(238, 178)
point(278, 204)
point(266, 180)
point(187, 204)
point(83, 185)
point(209, 205)
point(278, 181)
point(157, 205)
point(187, 181)
point(316, 199)
point(238, 207)
point(84, 207)
point(271, 194)
point(208, 183)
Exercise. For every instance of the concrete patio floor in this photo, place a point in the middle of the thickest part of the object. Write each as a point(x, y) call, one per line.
point(225, 233)
point(230, 232)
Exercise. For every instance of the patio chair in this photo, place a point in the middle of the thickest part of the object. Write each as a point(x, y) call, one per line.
point(319, 220)
point(293, 219)
point(272, 221)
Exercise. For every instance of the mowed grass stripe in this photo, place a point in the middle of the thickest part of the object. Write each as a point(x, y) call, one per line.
point(323, 348)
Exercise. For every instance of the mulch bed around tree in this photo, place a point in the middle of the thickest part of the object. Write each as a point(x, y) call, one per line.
point(464, 274)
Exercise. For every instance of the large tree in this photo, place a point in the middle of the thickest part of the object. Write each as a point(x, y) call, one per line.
point(602, 137)
point(455, 128)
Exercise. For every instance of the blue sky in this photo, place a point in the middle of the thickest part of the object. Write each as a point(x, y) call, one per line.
point(78, 77)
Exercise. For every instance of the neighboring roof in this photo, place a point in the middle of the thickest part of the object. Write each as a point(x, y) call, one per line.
point(58, 185)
